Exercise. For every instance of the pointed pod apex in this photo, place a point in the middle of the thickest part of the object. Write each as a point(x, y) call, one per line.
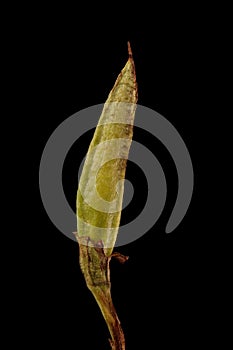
point(129, 50)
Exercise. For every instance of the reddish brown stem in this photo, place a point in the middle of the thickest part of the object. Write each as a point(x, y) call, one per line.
point(95, 267)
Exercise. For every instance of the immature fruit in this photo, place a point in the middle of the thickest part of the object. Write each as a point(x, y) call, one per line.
point(100, 195)
point(101, 186)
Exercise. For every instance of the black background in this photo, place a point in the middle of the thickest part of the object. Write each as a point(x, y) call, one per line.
point(160, 293)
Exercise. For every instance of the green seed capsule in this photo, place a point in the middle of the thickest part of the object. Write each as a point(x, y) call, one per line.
point(101, 186)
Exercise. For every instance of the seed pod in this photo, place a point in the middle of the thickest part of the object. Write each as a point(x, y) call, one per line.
point(100, 194)
point(101, 186)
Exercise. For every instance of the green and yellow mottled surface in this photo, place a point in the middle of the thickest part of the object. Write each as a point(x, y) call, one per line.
point(101, 186)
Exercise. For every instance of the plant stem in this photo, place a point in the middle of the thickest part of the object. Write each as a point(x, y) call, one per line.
point(95, 267)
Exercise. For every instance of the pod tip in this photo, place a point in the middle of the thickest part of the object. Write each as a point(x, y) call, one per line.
point(130, 50)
